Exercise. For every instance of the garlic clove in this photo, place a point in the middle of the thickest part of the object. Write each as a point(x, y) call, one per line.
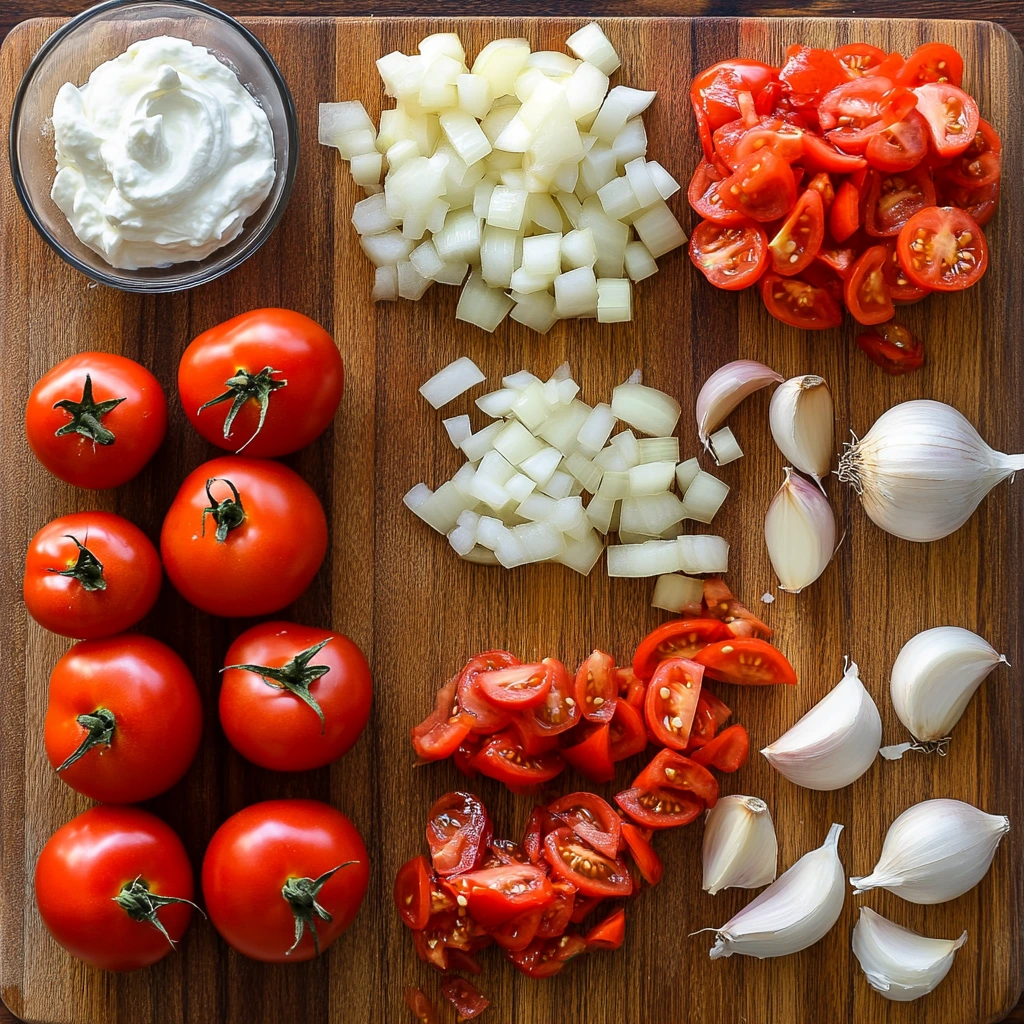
point(800, 531)
point(740, 849)
point(897, 962)
point(835, 743)
point(726, 388)
point(935, 851)
point(934, 677)
point(794, 912)
point(802, 417)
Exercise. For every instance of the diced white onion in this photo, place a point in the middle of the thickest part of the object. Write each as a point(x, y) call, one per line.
point(516, 443)
point(666, 185)
point(370, 216)
point(639, 262)
point(658, 449)
point(652, 558)
point(621, 104)
point(366, 168)
point(480, 305)
point(576, 293)
point(625, 441)
point(562, 427)
point(601, 512)
point(591, 44)
point(388, 249)
point(520, 487)
point(673, 593)
point(648, 410)
point(520, 380)
point(614, 484)
point(584, 553)
point(704, 497)
point(338, 119)
point(631, 142)
point(458, 428)
point(725, 447)
point(541, 467)
point(477, 445)
point(455, 379)
point(411, 283)
point(642, 183)
point(686, 473)
point(441, 509)
point(497, 404)
point(536, 311)
point(700, 554)
point(559, 486)
point(385, 284)
point(614, 300)
point(597, 427)
point(585, 472)
point(541, 540)
point(659, 230)
point(651, 478)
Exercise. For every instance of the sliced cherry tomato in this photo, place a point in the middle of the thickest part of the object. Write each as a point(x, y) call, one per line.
point(518, 933)
point(660, 808)
point(412, 892)
point(821, 155)
point(499, 894)
point(420, 1006)
point(730, 256)
point(557, 914)
point(867, 294)
point(727, 751)
point(459, 960)
point(458, 832)
point(504, 851)
point(746, 661)
point(538, 825)
point(822, 184)
point(942, 248)
point(892, 199)
point(799, 238)
point(979, 202)
point(518, 687)
point(632, 689)
point(901, 288)
point(595, 688)
point(558, 712)
point(893, 348)
point(640, 849)
point(859, 58)
point(503, 758)
point(670, 770)
point(837, 259)
point(680, 638)
point(979, 164)
point(952, 116)
point(710, 716)
point(932, 62)
point(738, 139)
point(854, 112)
point(591, 872)
point(889, 68)
point(715, 91)
point(592, 819)
point(438, 736)
point(592, 756)
point(704, 197)
point(809, 74)
point(609, 934)
point(672, 701)
point(721, 604)
point(799, 303)
point(464, 997)
point(627, 735)
point(466, 751)
point(899, 146)
point(762, 187)
point(584, 907)
point(844, 217)
point(487, 716)
point(546, 957)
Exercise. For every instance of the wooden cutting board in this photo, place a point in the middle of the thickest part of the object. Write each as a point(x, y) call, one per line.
point(397, 590)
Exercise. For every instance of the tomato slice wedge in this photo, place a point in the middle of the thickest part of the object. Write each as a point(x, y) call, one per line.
point(591, 756)
point(468, 1002)
point(503, 758)
point(866, 291)
point(893, 348)
point(900, 146)
point(858, 58)
point(821, 155)
point(640, 849)
point(901, 288)
point(762, 187)
point(801, 234)
point(420, 1006)
point(631, 689)
point(557, 914)
point(465, 752)
point(660, 808)
point(710, 716)
point(504, 851)
point(546, 957)
point(440, 733)
point(496, 895)
point(672, 701)
point(584, 907)
point(746, 661)
point(979, 164)
point(516, 688)
point(892, 199)
point(854, 112)
point(952, 116)
point(730, 256)
point(837, 259)
point(932, 62)
point(715, 90)
point(844, 217)
point(727, 752)
point(595, 688)
point(670, 770)
point(609, 933)
point(538, 825)
point(413, 885)
point(579, 864)
point(738, 139)
point(592, 819)
point(943, 248)
point(519, 932)
point(558, 711)
point(704, 196)
point(809, 74)
point(980, 202)
point(823, 185)
point(799, 303)
point(458, 831)
point(721, 604)
point(627, 734)
point(487, 717)
point(680, 638)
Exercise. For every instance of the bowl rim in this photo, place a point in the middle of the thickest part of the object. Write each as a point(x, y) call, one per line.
point(155, 285)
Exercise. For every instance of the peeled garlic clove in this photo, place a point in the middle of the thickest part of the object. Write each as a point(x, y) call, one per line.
point(897, 962)
point(935, 851)
point(835, 742)
point(801, 417)
point(740, 849)
point(794, 912)
point(726, 388)
point(934, 677)
point(800, 531)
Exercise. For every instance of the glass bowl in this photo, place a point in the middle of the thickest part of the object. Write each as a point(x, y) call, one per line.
point(100, 34)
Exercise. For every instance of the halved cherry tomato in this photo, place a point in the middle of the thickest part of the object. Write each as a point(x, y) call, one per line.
point(932, 62)
point(762, 187)
point(627, 735)
point(942, 248)
point(556, 916)
point(844, 217)
point(738, 139)
point(670, 770)
point(660, 808)
point(466, 751)
point(715, 91)
point(499, 894)
point(632, 689)
point(503, 758)
point(538, 825)
point(518, 932)
point(591, 756)
point(858, 58)
point(672, 701)
point(546, 957)
point(952, 116)
point(458, 832)
point(595, 688)
point(440, 733)
point(746, 661)
point(518, 687)
point(460, 960)
point(464, 997)
point(640, 849)
point(730, 256)
point(809, 74)
point(592, 819)
point(899, 146)
point(854, 112)
point(721, 604)
point(420, 1006)
point(979, 202)
point(609, 934)
point(799, 303)
point(704, 197)
point(893, 348)
point(727, 751)
point(799, 238)
point(892, 199)
point(504, 851)
point(979, 164)
point(710, 716)
point(837, 259)
point(901, 288)
point(412, 892)
point(821, 155)
point(591, 872)
point(822, 184)
point(680, 638)
point(558, 711)
point(487, 716)
point(866, 292)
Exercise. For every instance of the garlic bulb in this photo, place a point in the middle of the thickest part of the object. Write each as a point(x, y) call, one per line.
point(897, 962)
point(794, 912)
point(835, 742)
point(922, 469)
point(935, 851)
point(740, 849)
point(800, 531)
point(726, 388)
point(801, 416)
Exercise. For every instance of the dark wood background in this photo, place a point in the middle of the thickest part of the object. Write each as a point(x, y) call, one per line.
point(1009, 14)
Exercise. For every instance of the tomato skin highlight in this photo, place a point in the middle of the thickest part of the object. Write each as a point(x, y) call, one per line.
point(592, 819)
point(746, 661)
point(659, 808)
point(932, 62)
point(727, 752)
point(132, 430)
point(893, 348)
point(503, 758)
point(844, 217)
point(703, 195)
point(952, 116)
point(516, 688)
point(495, 896)
point(680, 638)
point(443, 731)
point(647, 861)
point(609, 934)
point(412, 892)
point(458, 833)
point(591, 757)
point(569, 858)
point(595, 687)
point(627, 733)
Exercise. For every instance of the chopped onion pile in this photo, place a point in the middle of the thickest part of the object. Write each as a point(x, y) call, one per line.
point(549, 478)
point(521, 178)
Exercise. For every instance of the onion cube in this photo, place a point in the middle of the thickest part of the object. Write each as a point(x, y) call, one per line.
point(474, 92)
point(576, 293)
point(614, 300)
point(338, 119)
point(686, 473)
point(542, 254)
point(578, 249)
point(507, 207)
point(536, 311)
point(541, 466)
point(659, 230)
point(455, 379)
point(582, 554)
point(591, 44)
point(639, 262)
point(485, 307)
point(516, 443)
point(651, 558)
point(702, 554)
point(725, 447)
point(674, 593)
point(458, 429)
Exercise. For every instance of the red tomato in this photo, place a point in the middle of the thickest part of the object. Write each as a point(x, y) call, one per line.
point(283, 879)
point(90, 574)
point(746, 661)
point(412, 892)
point(892, 199)
point(487, 716)
point(595, 687)
point(631, 689)
point(268, 381)
point(730, 256)
point(727, 751)
point(952, 117)
point(123, 719)
point(243, 537)
point(721, 604)
point(854, 112)
point(798, 303)
point(458, 831)
point(715, 91)
point(114, 888)
point(942, 248)
point(858, 58)
point(420, 1006)
point(901, 288)
point(503, 758)
point(932, 62)
point(801, 234)
point(96, 419)
point(538, 825)
point(627, 734)
point(704, 197)
point(899, 146)
point(979, 164)
point(609, 934)
point(464, 997)
point(672, 701)
point(979, 202)
point(647, 861)
point(739, 139)
point(441, 733)
point(557, 914)
point(592, 755)
point(866, 292)
point(559, 712)
point(893, 348)
point(518, 687)
point(591, 872)
point(659, 808)
point(822, 184)
point(821, 155)
point(496, 895)
point(844, 217)
point(592, 819)
point(465, 752)
point(808, 75)
point(837, 259)
point(670, 770)
point(543, 958)
point(762, 187)
point(294, 697)
point(680, 638)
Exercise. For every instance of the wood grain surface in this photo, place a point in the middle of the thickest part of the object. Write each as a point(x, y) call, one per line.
point(396, 589)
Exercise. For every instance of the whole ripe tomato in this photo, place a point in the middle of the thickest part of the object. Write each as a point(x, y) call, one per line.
point(268, 381)
point(284, 878)
point(294, 697)
point(243, 537)
point(123, 719)
point(96, 419)
point(114, 888)
point(90, 574)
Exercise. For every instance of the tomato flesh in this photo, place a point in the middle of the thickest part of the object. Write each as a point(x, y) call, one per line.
point(681, 638)
point(458, 831)
point(942, 248)
point(892, 199)
point(647, 861)
point(440, 734)
point(799, 303)
point(932, 62)
point(721, 604)
point(591, 872)
point(730, 256)
point(610, 933)
point(762, 187)
point(893, 348)
point(521, 686)
point(660, 808)
point(672, 701)
point(952, 116)
point(468, 1002)
point(592, 819)
point(746, 661)
point(595, 687)
point(800, 237)
point(497, 895)
point(727, 752)
point(487, 716)
point(627, 735)
point(866, 290)
point(412, 892)
point(670, 770)
point(592, 756)
point(503, 758)
point(900, 146)
point(704, 196)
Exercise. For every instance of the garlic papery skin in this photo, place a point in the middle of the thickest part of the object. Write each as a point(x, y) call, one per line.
point(934, 677)
point(897, 962)
point(935, 851)
point(740, 849)
point(922, 470)
point(800, 531)
point(835, 743)
point(794, 912)
point(726, 388)
point(802, 417)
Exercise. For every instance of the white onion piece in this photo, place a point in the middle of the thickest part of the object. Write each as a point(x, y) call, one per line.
point(666, 185)
point(591, 44)
point(582, 554)
point(559, 486)
point(674, 593)
point(650, 411)
point(370, 216)
point(458, 428)
point(658, 449)
point(650, 515)
point(704, 497)
point(455, 379)
point(536, 311)
point(480, 305)
point(576, 293)
point(700, 554)
point(725, 447)
point(497, 404)
point(652, 558)
point(686, 473)
point(477, 445)
point(541, 467)
point(638, 262)
point(630, 143)
point(659, 230)
point(385, 284)
point(614, 300)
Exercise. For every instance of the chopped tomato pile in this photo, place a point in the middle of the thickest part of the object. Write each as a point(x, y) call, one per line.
point(847, 177)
